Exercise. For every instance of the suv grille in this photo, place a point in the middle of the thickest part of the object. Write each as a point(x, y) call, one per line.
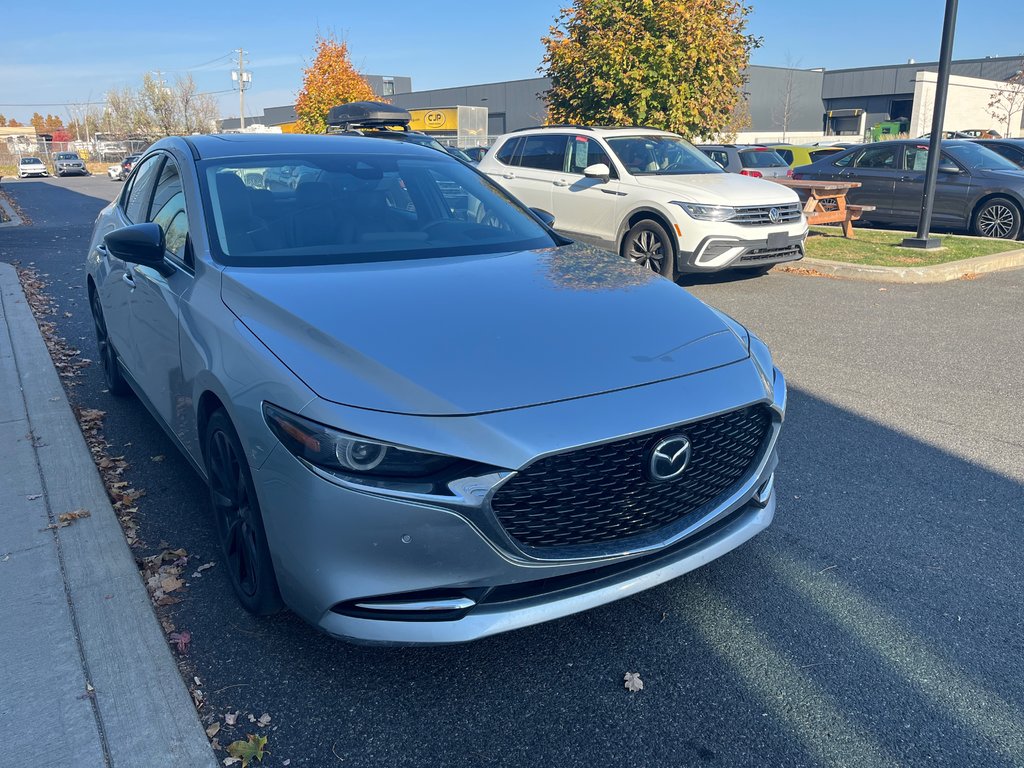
point(756, 215)
point(788, 252)
point(602, 494)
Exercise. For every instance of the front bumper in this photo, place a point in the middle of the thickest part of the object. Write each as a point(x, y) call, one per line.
point(341, 550)
point(72, 169)
point(742, 248)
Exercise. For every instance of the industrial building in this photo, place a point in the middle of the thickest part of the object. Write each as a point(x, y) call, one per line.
point(784, 103)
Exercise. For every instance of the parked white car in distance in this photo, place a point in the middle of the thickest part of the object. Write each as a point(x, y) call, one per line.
point(31, 166)
point(650, 196)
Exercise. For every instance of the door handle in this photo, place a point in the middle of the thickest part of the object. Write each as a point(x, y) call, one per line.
point(508, 175)
point(561, 183)
point(128, 280)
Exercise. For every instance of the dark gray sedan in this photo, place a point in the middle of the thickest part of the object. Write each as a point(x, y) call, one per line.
point(977, 190)
point(423, 416)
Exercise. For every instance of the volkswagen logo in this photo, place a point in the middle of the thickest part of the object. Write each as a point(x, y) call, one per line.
point(774, 215)
point(669, 458)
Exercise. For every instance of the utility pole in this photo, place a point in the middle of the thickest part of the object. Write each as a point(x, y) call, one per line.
point(935, 141)
point(243, 79)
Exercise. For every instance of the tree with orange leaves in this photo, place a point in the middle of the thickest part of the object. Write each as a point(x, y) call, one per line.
point(330, 80)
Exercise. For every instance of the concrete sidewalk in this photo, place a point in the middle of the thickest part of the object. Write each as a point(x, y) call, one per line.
point(88, 677)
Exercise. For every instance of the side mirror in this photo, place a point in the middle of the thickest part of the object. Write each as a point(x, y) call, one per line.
point(948, 168)
point(547, 218)
point(598, 171)
point(139, 244)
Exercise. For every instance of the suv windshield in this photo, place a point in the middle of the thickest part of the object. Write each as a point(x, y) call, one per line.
point(661, 156)
point(284, 210)
point(977, 157)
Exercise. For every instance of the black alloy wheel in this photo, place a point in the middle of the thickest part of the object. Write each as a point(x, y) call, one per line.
point(236, 511)
point(116, 383)
point(998, 217)
point(649, 245)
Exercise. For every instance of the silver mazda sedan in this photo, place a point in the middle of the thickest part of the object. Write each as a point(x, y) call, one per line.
point(423, 416)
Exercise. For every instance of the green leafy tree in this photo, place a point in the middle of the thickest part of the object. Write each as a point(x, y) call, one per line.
point(676, 65)
point(330, 80)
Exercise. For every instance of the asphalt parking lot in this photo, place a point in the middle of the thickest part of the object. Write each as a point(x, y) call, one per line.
point(877, 622)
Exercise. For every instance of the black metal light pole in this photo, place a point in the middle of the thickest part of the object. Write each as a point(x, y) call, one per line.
point(935, 142)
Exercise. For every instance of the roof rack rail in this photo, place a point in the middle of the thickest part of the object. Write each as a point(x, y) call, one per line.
point(589, 127)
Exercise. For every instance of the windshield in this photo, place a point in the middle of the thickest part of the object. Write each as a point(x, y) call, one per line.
point(340, 208)
point(977, 157)
point(31, 161)
point(761, 158)
point(661, 156)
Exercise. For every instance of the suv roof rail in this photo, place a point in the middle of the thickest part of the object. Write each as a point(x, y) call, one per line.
point(590, 127)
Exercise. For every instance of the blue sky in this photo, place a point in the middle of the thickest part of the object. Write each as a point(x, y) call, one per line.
point(437, 44)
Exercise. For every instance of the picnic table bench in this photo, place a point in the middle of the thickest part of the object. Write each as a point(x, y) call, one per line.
point(826, 202)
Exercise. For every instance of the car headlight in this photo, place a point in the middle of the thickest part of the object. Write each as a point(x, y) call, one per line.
point(352, 455)
point(704, 212)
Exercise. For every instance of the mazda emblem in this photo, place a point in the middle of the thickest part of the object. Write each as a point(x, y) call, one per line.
point(669, 458)
point(774, 215)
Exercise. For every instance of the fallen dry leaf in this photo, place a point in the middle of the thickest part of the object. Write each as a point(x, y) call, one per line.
point(252, 748)
point(34, 496)
point(171, 583)
point(213, 730)
point(158, 458)
point(264, 720)
point(181, 639)
point(633, 682)
point(231, 718)
point(231, 761)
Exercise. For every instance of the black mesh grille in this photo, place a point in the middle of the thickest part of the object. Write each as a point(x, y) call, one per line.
point(603, 494)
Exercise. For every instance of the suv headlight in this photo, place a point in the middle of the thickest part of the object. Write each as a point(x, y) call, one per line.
point(704, 212)
point(352, 455)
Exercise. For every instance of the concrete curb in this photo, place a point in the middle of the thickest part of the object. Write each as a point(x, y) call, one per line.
point(15, 219)
point(939, 273)
point(144, 712)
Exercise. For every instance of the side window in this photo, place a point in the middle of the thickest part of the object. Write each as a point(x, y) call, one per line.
point(880, 158)
point(507, 151)
point(718, 155)
point(787, 155)
point(168, 210)
point(136, 199)
point(1012, 154)
point(915, 158)
point(585, 152)
point(845, 160)
point(815, 156)
point(545, 152)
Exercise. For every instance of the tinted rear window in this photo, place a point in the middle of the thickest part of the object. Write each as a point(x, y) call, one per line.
point(817, 154)
point(761, 158)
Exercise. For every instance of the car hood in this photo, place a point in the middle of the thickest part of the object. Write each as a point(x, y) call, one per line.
point(470, 335)
point(720, 189)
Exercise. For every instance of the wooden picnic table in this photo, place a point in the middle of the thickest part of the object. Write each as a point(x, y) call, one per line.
point(826, 202)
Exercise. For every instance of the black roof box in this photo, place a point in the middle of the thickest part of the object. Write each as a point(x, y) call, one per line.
point(367, 113)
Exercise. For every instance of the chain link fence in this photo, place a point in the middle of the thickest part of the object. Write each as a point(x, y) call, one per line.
point(94, 153)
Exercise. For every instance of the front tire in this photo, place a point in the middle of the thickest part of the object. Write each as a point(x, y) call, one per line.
point(999, 217)
point(236, 510)
point(116, 383)
point(649, 245)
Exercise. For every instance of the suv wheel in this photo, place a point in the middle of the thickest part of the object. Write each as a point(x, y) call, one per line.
point(998, 217)
point(649, 245)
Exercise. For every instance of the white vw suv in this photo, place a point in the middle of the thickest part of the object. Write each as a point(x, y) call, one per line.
point(651, 196)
